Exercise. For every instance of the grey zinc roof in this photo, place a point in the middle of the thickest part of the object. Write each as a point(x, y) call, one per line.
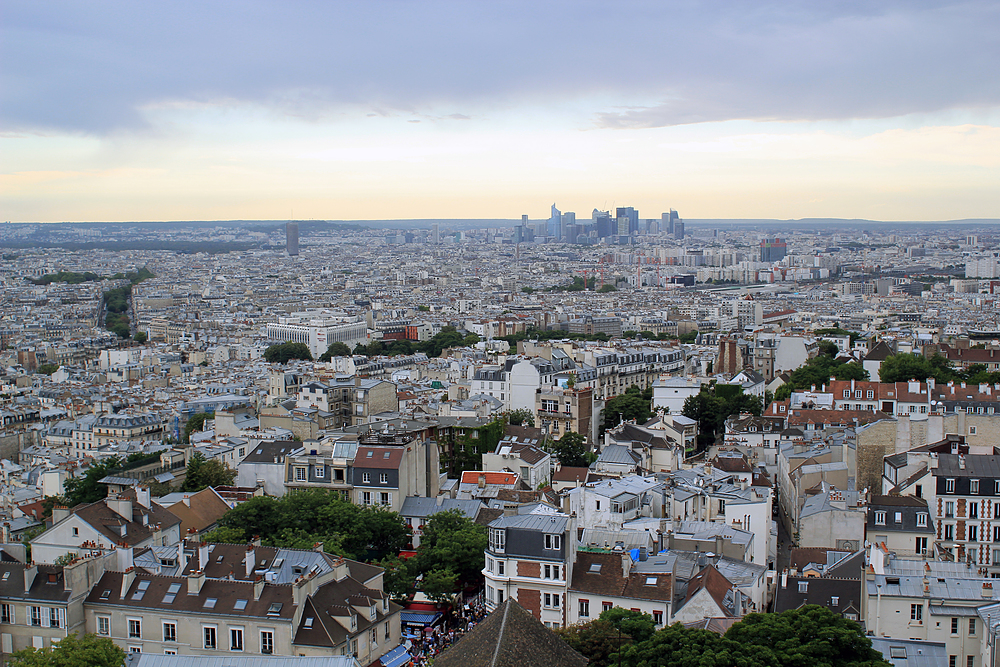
point(913, 652)
point(155, 660)
point(542, 523)
point(975, 465)
point(424, 507)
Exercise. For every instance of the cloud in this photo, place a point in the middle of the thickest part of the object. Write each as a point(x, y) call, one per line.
point(98, 67)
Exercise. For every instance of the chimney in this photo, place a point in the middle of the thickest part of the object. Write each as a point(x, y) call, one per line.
point(125, 559)
point(29, 576)
point(482, 481)
point(203, 555)
point(258, 587)
point(120, 506)
point(142, 496)
point(127, 580)
point(195, 581)
point(59, 513)
point(181, 558)
point(784, 578)
point(187, 500)
point(626, 564)
point(248, 559)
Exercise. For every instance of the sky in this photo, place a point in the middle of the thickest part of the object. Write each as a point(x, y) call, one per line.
point(383, 109)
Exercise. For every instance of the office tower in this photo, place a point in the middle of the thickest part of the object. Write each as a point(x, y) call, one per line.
point(568, 220)
point(632, 215)
point(292, 238)
point(678, 229)
point(667, 221)
point(772, 251)
point(435, 234)
point(554, 229)
point(602, 223)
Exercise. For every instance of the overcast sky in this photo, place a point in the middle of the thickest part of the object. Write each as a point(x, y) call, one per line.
point(415, 109)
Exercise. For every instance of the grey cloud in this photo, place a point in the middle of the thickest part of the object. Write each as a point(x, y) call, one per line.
point(92, 67)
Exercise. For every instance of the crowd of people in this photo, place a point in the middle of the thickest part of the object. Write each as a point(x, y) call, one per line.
point(432, 641)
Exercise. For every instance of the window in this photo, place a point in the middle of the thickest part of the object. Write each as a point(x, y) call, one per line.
point(898, 517)
point(373, 637)
point(387, 632)
point(169, 631)
point(917, 613)
point(803, 587)
point(500, 567)
point(879, 518)
point(605, 606)
point(972, 627)
point(974, 510)
point(949, 509)
point(972, 431)
point(921, 519)
point(383, 478)
point(585, 608)
point(235, 639)
point(36, 616)
point(7, 614)
point(320, 472)
point(209, 633)
point(847, 393)
point(974, 487)
point(722, 506)
point(56, 617)
point(954, 626)
point(949, 486)
point(552, 541)
point(552, 600)
point(366, 497)
point(498, 538)
point(300, 474)
point(970, 661)
point(973, 533)
point(266, 642)
point(366, 478)
point(949, 531)
point(76, 531)
point(952, 661)
point(921, 546)
point(657, 617)
point(134, 628)
point(104, 626)
point(385, 498)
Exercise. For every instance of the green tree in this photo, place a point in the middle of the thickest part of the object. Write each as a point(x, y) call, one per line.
point(397, 580)
point(86, 489)
point(633, 404)
point(196, 423)
point(903, 367)
point(439, 585)
point(828, 348)
point(806, 637)
point(227, 535)
point(635, 624)
point(521, 417)
point(71, 651)
point(447, 337)
point(48, 369)
point(336, 349)
point(572, 450)
point(202, 473)
point(140, 337)
point(715, 403)
point(597, 640)
point(452, 541)
point(284, 352)
point(470, 340)
point(604, 289)
point(689, 337)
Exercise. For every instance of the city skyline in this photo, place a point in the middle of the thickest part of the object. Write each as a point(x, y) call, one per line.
point(440, 110)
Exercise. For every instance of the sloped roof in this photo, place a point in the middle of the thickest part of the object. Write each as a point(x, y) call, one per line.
point(201, 511)
point(510, 637)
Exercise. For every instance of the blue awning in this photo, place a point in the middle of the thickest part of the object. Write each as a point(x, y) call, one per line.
point(419, 618)
point(396, 657)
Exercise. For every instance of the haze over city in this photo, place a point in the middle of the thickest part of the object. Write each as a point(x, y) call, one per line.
point(379, 110)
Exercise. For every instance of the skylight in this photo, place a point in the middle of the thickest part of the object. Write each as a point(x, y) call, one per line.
point(240, 605)
point(595, 568)
point(210, 603)
point(650, 581)
point(274, 609)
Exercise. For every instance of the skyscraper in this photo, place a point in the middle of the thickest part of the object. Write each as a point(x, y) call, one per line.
point(629, 214)
point(292, 238)
point(772, 251)
point(554, 229)
point(435, 234)
point(678, 229)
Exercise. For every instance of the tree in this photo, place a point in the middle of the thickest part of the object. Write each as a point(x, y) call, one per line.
point(86, 489)
point(521, 417)
point(451, 541)
point(48, 369)
point(635, 624)
point(903, 367)
point(397, 580)
point(634, 404)
point(597, 640)
point(140, 337)
point(471, 340)
point(689, 337)
point(202, 473)
point(71, 651)
point(439, 585)
point(572, 450)
point(336, 349)
point(604, 289)
point(809, 635)
point(828, 348)
point(284, 352)
point(196, 423)
point(714, 404)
